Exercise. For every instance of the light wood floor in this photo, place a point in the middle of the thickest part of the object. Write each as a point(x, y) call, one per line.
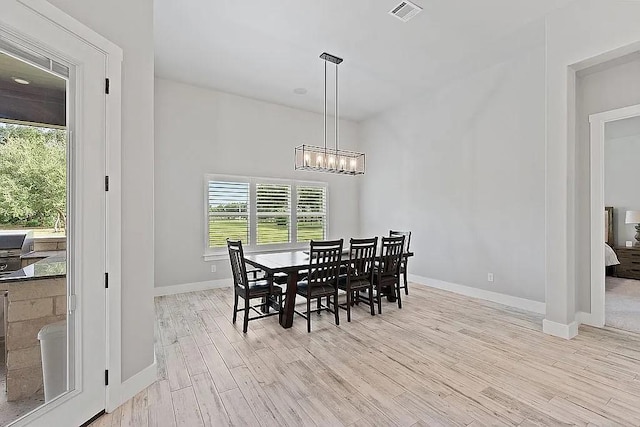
point(443, 359)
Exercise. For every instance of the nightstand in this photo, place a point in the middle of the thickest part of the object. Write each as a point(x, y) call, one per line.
point(629, 262)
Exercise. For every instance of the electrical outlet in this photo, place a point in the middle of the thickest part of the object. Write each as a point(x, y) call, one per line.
point(490, 277)
point(214, 268)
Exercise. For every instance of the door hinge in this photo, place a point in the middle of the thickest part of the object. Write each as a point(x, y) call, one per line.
point(106, 86)
point(106, 280)
point(106, 377)
point(72, 303)
point(106, 183)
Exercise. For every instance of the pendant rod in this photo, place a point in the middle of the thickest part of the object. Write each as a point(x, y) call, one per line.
point(336, 126)
point(325, 107)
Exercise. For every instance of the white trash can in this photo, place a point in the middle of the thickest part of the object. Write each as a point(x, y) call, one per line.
point(53, 347)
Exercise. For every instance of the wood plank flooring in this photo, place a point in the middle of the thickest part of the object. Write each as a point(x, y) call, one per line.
point(443, 359)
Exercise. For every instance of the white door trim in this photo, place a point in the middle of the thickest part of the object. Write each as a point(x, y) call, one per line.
point(598, 123)
point(113, 62)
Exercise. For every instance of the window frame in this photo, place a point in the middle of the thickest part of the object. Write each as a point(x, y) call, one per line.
point(214, 254)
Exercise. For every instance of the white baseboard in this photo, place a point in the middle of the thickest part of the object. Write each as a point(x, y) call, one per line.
point(134, 385)
point(589, 319)
point(560, 329)
point(139, 382)
point(191, 287)
point(521, 303)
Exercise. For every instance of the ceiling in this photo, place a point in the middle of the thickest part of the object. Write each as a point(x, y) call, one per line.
point(265, 49)
point(37, 78)
point(41, 102)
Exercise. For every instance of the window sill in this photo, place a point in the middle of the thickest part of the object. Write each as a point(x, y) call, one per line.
point(224, 256)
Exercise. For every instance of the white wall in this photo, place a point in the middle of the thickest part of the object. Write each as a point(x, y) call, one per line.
point(463, 169)
point(130, 25)
point(621, 179)
point(200, 131)
point(579, 34)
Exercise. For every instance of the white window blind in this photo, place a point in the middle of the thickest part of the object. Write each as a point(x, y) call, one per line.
point(273, 211)
point(264, 213)
point(228, 212)
point(311, 211)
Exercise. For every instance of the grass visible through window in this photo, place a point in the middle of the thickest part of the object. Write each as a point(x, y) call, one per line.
point(268, 231)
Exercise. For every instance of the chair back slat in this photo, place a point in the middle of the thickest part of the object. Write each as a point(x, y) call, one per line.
point(391, 256)
point(238, 267)
point(324, 263)
point(362, 255)
point(407, 237)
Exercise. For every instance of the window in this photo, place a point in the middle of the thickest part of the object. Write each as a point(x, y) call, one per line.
point(311, 213)
point(273, 211)
point(266, 214)
point(228, 212)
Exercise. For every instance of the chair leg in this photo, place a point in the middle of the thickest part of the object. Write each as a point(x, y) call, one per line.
point(336, 309)
point(349, 296)
point(398, 293)
point(267, 303)
point(371, 306)
point(319, 304)
point(246, 315)
point(309, 314)
point(379, 298)
point(406, 286)
point(235, 307)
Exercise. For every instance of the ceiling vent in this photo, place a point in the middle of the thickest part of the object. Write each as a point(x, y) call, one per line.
point(405, 11)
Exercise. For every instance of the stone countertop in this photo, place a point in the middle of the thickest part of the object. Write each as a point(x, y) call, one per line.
point(42, 254)
point(51, 267)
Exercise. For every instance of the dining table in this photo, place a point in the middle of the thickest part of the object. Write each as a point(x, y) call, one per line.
point(289, 262)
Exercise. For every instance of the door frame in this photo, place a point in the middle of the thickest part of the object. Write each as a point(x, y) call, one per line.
point(598, 124)
point(113, 56)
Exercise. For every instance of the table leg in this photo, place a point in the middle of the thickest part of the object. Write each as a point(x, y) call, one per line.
point(286, 315)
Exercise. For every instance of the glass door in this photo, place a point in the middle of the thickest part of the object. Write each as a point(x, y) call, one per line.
point(33, 231)
point(52, 174)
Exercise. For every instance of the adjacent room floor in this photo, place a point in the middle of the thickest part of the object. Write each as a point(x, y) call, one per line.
point(443, 359)
point(622, 304)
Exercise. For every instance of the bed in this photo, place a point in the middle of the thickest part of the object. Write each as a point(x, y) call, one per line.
point(610, 257)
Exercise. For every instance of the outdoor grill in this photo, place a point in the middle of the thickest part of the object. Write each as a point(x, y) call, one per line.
point(14, 244)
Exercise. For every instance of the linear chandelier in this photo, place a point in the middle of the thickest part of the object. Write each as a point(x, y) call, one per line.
point(327, 159)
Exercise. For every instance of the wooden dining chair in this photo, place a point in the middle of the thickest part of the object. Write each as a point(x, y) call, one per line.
point(387, 274)
point(359, 274)
point(322, 278)
point(403, 265)
point(249, 289)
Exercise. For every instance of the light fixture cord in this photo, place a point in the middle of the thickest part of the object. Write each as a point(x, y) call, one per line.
point(336, 109)
point(325, 107)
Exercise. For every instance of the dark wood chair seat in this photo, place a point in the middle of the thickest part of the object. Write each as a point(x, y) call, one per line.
point(355, 284)
point(317, 291)
point(261, 286)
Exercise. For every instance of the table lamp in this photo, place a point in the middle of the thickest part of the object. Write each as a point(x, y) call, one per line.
point(633, 217)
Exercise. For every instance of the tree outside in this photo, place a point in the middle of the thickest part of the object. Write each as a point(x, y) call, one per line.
point(32, 177)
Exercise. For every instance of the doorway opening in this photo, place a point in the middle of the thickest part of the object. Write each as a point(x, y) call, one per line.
point(608, 129)
point(617, 139)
